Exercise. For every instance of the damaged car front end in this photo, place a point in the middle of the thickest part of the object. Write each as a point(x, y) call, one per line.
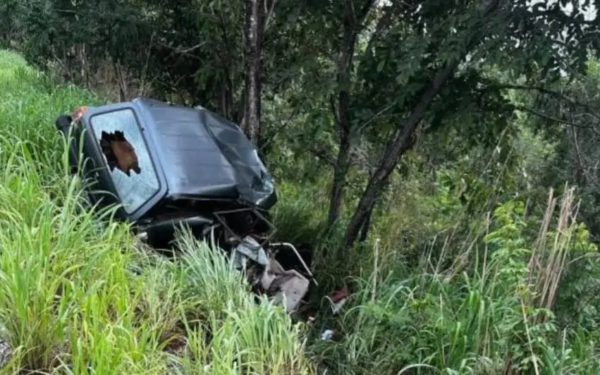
point(168, 166)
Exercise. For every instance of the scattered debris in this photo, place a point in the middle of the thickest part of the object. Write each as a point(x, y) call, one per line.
point(285, 285)
point(5, 353)
point(288, 286)
point(327, 335)
point(192, 169)
point(249, 249)
point(338, 300)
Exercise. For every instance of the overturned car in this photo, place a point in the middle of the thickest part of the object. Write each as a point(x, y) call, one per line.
point(167, 166)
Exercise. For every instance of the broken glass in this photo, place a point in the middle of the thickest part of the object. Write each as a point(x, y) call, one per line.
point(137, 183)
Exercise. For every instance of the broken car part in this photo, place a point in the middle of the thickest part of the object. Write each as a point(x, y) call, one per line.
point(338, 300)
point(168, 166)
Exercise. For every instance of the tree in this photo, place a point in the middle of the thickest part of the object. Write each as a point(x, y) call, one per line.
point(254, 16)
point(362, 77)
point(195, 54)
point(466, 38)
point(353, 22)
point(566, 115)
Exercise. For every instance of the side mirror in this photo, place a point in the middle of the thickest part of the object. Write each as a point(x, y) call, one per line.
point(63, 123)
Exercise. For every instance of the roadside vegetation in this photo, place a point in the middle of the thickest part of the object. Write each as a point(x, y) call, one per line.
point(79, 296)
point(438, 159)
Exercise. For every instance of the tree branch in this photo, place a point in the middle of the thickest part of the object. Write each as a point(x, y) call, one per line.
point(330, 159)
point(352, 13)
point(352, 26)
point(553, 119)
point(189, 49)
point(376, 116)
point(334, 110)
point(383, 24)
point(550, 92)
point(404, 136)
point(268, 12)
point(364, 11)
point(322, 154)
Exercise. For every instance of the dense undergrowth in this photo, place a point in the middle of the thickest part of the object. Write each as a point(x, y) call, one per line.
point(77, 296)
point(436, 289)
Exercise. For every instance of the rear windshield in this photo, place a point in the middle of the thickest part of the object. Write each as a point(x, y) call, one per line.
point(127, 156)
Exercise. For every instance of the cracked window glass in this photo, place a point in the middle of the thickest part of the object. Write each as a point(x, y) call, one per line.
point(127, 157)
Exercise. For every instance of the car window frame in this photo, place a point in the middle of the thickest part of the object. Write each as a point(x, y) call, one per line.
point(149, 152)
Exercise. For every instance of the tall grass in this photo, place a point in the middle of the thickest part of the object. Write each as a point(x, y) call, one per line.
point(79, 296)
point(497, 317)
point(246, 337)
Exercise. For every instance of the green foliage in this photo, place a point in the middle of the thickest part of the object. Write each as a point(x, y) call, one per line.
point(246, 337)
point(481, 321)
point(79, 296)
point(453, 287)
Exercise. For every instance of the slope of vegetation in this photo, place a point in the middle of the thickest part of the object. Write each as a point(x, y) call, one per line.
point(77, 296)
point(438, 158)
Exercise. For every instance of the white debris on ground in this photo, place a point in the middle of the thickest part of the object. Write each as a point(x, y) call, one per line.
point(5, 353)
point(327, 335)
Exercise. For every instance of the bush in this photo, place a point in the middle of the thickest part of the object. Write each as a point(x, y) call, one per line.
point(495, 317)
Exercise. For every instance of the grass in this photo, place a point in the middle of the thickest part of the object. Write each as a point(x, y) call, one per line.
point(511, 293)
point(79, 296)
point(499, 315)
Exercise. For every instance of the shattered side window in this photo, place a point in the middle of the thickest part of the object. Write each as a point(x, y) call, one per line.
point(127, 157)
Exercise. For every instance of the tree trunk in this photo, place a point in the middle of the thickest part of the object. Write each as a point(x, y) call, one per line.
point(345, 65)
point(252, 60)
point(366, 225)
point(403, 137)
point(339, 179)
